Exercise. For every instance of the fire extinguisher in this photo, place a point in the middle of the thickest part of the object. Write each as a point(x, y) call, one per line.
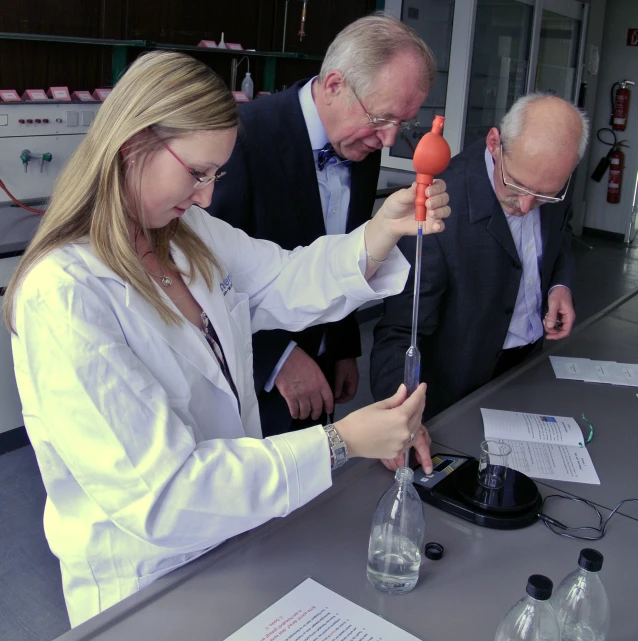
point(620, 104)
point(617, 164)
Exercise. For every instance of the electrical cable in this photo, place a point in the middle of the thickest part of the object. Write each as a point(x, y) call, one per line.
point(600, 530)
point(613, 133)
point(605, 161)
point(17, 202)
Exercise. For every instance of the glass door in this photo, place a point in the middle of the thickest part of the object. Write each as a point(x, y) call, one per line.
point(500, 63)
point(489, 53)
point(558, 64)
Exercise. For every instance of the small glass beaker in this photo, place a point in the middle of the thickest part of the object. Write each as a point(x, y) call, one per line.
point(493, 464)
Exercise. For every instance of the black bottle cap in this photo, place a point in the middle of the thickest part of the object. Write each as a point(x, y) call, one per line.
point(433, 551)
point(590, 560)
point(539, 587)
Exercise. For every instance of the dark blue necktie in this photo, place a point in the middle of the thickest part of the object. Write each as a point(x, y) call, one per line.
point(326, 153)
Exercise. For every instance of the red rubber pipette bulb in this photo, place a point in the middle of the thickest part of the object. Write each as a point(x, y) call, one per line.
point(431, 156)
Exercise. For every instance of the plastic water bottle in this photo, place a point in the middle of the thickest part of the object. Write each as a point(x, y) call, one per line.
point(247, 86)
point(396, 537)
point(581, 603)
point(532, 618)
point(222, 44)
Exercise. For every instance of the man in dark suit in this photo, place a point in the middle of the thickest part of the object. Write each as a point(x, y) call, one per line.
point(505, 258)
point(306, 163)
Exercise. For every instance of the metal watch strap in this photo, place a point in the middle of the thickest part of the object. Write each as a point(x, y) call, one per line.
point(337, 446)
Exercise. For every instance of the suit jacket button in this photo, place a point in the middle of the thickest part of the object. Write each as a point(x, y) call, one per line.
point(516, 265)
point(509, 311)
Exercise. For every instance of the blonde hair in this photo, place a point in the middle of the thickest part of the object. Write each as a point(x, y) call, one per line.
point(365, 46)
point(172, 95)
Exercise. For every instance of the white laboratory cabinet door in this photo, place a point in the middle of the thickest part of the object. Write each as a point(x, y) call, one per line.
point(10, 407)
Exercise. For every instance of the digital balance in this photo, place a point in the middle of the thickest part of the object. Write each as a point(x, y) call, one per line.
point(453, 487)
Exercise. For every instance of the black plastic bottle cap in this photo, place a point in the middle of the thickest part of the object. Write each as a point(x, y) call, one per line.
point(539, 587)
point(433, 551)
point(590, 560)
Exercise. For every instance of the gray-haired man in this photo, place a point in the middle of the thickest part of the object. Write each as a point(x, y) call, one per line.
point(307, 164)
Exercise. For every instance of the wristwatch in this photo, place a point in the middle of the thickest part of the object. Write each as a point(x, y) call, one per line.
point(338, 448)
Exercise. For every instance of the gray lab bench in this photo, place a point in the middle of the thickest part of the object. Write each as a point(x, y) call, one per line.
point(611, 335)
point(462, 596)
point(483, 572)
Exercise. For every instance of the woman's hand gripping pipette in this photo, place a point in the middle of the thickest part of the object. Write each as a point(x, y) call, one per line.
point(396, 218)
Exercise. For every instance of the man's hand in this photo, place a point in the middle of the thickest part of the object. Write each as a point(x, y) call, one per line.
point(560, 316)
point(421, 445)
point(302, 383)
point(346, 379)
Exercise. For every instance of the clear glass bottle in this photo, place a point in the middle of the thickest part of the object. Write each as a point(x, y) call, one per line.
point(581, 602)
point(396, 537)
point(532, 618)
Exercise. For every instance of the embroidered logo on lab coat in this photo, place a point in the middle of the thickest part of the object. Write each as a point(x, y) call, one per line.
point(226, 285)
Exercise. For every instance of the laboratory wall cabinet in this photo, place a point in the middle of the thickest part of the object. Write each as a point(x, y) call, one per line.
point(84, 44)
point(489, 53)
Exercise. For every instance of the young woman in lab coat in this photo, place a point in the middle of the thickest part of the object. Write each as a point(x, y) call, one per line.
point(132, 312)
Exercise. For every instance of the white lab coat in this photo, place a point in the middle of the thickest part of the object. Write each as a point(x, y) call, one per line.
point(146, 460)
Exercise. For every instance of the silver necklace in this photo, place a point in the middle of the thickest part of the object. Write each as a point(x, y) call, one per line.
point(166, 281)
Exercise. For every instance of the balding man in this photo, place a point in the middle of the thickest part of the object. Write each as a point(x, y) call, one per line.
point(501, 275)
point(306, 164)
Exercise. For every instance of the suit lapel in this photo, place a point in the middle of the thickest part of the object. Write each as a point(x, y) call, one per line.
point(548, 214)
point(298, 165)
point(499, 228)
point(483, 204)
point(552, 219)
point(363, 182)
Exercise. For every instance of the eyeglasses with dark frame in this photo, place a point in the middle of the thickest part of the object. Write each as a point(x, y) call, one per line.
point(202, 181)
point(520, 191)
point(385, 123)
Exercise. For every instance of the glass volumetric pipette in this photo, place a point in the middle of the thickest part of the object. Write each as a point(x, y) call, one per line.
point(412, 367)
point(431, 157)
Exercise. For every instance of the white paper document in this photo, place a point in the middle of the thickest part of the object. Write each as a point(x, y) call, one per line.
point(630, 373)
point(312, 612)
point(543, 447)
point(584, 369)
point(574, 369)
point(610, 372)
